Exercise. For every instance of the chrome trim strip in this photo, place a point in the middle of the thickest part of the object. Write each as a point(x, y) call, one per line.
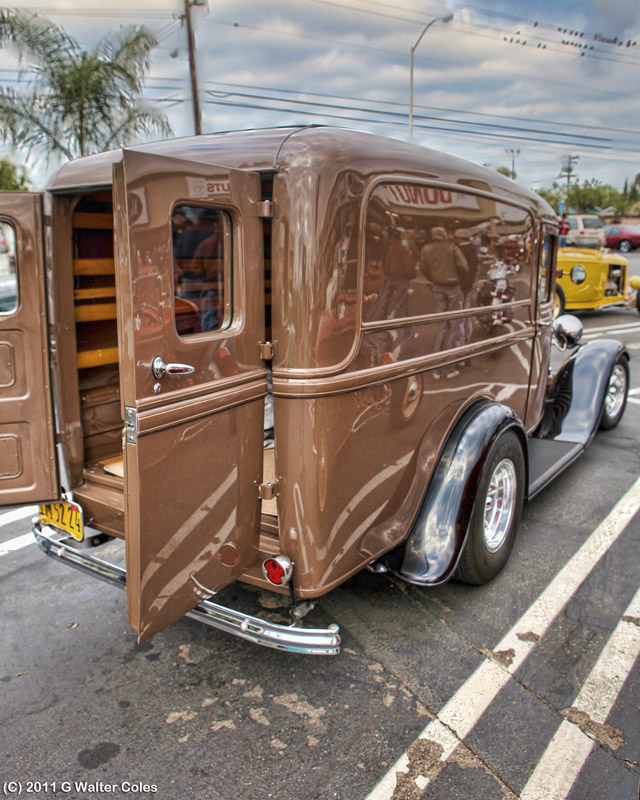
point(311, 641)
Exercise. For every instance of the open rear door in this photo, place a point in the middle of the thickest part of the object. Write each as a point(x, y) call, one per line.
point(190, 289)
point(27, 453)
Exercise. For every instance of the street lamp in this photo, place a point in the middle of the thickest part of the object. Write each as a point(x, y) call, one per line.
point(446, 18)
point(513, 153)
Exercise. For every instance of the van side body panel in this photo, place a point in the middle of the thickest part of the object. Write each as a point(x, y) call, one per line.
point(350, 481)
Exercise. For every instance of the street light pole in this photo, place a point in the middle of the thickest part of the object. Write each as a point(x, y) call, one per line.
point(446, 18)
point(513, 153)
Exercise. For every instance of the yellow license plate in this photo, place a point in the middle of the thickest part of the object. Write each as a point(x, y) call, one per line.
point(64, 516)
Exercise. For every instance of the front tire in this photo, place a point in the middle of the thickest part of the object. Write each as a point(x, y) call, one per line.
point(496, 512)
point(625, 246)
point(615, 400)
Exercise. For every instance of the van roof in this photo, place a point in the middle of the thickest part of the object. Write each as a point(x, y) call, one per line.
point(313, 147)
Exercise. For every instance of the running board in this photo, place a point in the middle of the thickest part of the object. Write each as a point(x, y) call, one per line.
point(547, 459)
point(311, 641)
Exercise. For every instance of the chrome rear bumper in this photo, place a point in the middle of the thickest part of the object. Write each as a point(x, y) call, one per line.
point(313, 641)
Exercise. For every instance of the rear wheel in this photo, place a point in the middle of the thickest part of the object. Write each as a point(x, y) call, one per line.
point(496, 512)
point(558, 302)
point(615, 399)
point(624, 246)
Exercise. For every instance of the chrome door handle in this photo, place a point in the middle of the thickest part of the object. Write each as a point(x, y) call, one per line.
point(159, 368)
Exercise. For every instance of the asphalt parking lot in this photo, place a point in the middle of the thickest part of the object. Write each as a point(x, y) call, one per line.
point(525, 688)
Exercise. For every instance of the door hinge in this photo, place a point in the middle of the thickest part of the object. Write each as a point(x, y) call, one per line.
point(267, 491)
point(131, 425)
point(266, 351)
point(265, 209)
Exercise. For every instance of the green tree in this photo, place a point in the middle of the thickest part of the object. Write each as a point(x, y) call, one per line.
point(506, 171)
point(12, 179)
point(78, 102)
point(553, 196)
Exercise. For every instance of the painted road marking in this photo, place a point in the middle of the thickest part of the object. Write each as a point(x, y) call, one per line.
point(460, 714)
point(16, 544)
point(627, 326)
point(17, 514)
point(20, 541)
point(567, 752)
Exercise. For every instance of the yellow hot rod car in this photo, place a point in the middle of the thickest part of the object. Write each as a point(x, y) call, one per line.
point(590, 279)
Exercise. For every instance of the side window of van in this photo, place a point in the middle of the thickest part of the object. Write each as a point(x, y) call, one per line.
point(431, 250)
point(202, 269)
point(8, 271)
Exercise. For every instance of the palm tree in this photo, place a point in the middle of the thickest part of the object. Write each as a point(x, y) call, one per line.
point(79, 102)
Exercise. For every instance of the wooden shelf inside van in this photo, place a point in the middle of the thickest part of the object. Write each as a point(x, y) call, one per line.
point(98, 357)
point(93, 220)
point(93, 266)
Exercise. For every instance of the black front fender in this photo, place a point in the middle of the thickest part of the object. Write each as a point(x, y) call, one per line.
point(431, 551)
point(576, 398)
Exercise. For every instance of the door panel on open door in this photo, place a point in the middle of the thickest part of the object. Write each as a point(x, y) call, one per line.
point(190, 286)
point(27, 455)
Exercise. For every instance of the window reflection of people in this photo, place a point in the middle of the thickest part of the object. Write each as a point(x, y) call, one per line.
point(445, 267)
point(399, 267)
point(469, 250)
point(197, 252)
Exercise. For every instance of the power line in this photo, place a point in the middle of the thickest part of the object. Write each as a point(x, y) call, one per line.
point(391, 103)
point(386, 51)
point(430, 127)
point(554, 45)
point(97, 11)
point(589, 141)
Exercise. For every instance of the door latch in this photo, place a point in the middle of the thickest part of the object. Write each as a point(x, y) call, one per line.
point(131, 425)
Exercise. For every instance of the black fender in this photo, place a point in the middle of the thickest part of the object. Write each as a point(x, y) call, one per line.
point(430, 553)
point(575, 401)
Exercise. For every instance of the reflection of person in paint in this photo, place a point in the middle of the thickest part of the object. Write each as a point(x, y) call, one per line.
point(197, 252)
point(443, 264)
point(469, 250)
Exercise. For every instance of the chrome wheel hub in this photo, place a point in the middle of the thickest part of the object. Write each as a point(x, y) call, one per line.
point(500, 504)
point(616, 391)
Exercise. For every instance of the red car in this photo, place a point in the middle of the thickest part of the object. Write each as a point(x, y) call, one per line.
point(622, 237)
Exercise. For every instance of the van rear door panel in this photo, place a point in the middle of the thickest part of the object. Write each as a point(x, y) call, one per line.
point(27, 451)
point(193, 444)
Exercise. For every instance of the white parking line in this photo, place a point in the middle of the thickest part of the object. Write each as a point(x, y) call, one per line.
point(627, 326)
point(20, 541)
point(563, 759)
point(17, 514)
point(459, 715)
point(16, 544)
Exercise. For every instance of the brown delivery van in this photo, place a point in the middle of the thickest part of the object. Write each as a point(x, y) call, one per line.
point(281, 357)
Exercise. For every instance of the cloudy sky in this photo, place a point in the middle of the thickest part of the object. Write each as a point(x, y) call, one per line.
point(525, 81)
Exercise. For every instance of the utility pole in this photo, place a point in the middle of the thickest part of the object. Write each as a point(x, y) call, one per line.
point(567, 168)
point(197, 118)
